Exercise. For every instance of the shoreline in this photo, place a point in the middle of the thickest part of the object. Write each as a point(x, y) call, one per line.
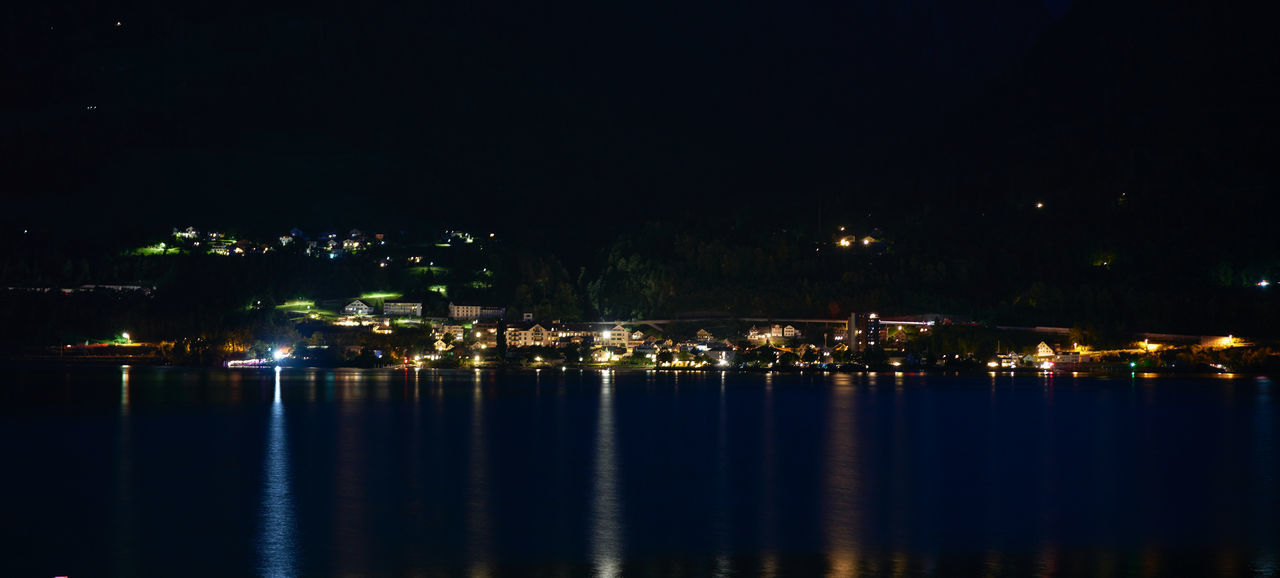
point(145, 361)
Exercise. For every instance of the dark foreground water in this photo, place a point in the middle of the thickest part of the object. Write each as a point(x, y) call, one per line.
point(154, 471)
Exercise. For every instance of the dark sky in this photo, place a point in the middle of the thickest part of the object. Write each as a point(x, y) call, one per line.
point(266, 116)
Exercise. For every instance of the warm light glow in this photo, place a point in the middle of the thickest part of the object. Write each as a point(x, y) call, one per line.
point(125, 335)
point(606, 334)
point(993, 364)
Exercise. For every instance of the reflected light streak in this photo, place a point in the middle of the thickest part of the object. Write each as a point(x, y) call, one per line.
point(768, 489)
point(1264, 459)
point(277, 534)
point(479, 521)
point(840, 484)
point(606, 504)
point(769, 565)
point(125, 543)
point(723, 522)
point(124, 390)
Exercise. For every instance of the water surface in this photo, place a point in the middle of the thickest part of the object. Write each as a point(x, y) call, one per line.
point(150, 471)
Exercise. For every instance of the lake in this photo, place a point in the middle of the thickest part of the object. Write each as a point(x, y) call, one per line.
point(168, 471)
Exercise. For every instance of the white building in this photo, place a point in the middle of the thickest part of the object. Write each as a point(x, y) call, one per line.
point(357, 307)
point(475, 311)
point(529, 335)
point(401, 309)
point(557, 334)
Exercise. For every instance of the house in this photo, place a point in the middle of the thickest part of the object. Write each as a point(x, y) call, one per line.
point(646, 350)
point(458, 331)
point(486, 334)
point(790, 331)
point(1043, 350)
point(357, 307)
point(401, 309)
point(704, 335)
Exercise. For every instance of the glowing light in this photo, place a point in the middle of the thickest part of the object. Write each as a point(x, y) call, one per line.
point(1264, 283)
point(1039, 205)
point(993, 364)
point(606, 334)
point(125, 335)
point(277, 354)
point(1046, 365)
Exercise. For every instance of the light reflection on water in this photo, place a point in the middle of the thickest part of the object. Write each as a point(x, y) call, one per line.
point(277, 542)
point(769, 474)
point(841, 482)
point(123, 535)
point(479, 525)
point(1267, 481)
point(606, 503)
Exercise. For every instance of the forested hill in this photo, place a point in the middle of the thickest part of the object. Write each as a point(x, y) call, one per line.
point(1123, 174)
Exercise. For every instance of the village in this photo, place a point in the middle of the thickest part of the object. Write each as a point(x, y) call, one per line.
point(480, 336)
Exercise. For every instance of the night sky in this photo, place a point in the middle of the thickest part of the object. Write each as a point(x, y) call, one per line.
point(266, 116)
point(326, 113)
